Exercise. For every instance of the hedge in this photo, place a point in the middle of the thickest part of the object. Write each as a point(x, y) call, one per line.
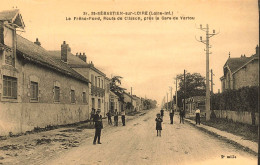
point(243, 99)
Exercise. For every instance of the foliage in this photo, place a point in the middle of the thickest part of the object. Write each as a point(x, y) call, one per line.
point(115, 87)
point(243, 99)
point(149, 104)
point(195, 86)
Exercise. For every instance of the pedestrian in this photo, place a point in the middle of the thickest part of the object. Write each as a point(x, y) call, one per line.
point(116, 118)
point(109, 118)
point(182, 114)
point(197, 112)
point(123, 117)
point(162, 113)
point(171, 115)
point(92, 113)
point(159, 121)
point(98, 126)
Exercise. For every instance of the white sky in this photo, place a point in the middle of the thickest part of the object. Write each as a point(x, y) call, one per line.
point(147, 54)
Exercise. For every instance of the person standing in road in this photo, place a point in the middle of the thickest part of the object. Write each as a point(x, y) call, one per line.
point(182, 114)
point(197, 112)
point(159, 121)
point(98, 126)
point(109, 117)
point(116, 117)
point(171, 115)
point(123, 117)
point(162, 113)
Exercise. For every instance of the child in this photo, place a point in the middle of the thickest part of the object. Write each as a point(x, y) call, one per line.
point(158, 124)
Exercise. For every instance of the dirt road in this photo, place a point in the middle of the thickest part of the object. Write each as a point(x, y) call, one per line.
point(137, 143)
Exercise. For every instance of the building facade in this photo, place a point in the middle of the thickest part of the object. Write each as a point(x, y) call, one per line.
point(241, 72)
point(36, 90)
point(98, 97)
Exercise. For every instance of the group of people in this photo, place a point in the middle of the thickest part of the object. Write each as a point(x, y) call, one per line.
point(116, 114)
point(96, 117)
point(159, 118)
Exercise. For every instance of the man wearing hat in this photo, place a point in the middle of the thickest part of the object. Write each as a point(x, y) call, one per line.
point(98, 126)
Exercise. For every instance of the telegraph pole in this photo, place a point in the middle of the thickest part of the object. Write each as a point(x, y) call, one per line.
point(171, 100)
point(167, 102)
point(176, 94)
point(131, 100)
point(184, 108)
point(206, 42)
point(212, 83)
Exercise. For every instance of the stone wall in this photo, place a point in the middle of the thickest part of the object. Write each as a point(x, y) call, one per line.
point(236, 116)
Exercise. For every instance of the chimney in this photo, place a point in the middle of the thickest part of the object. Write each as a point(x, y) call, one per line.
point(257, 50)
point(37, 42)
point(64, 51)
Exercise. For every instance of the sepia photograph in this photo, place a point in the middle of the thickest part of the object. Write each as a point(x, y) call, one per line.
point(129, 82)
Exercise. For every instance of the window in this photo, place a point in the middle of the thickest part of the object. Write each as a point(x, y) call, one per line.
point(57, 94)
point(34, 91)
point(102, 86)
point(92, 79)
point(9, 58)
point(99, 82)
point(9, 87)
point(84, 97)
point(72, 96)
point(99, 103)
point(95, 81)
point(93, 103)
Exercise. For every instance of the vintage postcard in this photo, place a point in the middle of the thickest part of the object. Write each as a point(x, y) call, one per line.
point(129, 82)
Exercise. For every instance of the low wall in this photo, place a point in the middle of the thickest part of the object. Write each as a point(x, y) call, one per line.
point(22, 117)
point(236, 116)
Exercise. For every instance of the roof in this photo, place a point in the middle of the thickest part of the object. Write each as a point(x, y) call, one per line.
point(12, 16)
point(39, 55)
point(75, 62)
point(235, 64)
point(4, 47)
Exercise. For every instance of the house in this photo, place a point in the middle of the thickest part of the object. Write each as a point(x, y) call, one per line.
point(193, 102)
point(128, 101)
point(139, 104)
point(240, 72)
point(114, 102)
point(97, 98)
point(36, 90)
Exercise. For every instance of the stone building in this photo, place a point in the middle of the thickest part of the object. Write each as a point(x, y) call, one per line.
point(240, 72)
point(36, 89)
point(98, 96)
point(193, 102)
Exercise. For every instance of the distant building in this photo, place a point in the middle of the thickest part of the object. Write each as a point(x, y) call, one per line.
point(128, 99)
point(114, 102)
point(195, 101)
point(241, 72)
point(139, 105)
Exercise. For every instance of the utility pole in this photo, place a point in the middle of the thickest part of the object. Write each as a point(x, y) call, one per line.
point(184, 108)
point(131, 100)
point(171, 100)
point(167, 102)
point(206, 42)
point(212, 83)
point(176, 94)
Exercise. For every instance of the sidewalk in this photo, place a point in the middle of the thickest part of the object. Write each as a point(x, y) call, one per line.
point(234, 139)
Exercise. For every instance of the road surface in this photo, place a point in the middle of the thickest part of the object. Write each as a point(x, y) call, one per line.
point(137, 143)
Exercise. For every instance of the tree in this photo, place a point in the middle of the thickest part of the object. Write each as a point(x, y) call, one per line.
point(195, 86)
point(115, 87)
